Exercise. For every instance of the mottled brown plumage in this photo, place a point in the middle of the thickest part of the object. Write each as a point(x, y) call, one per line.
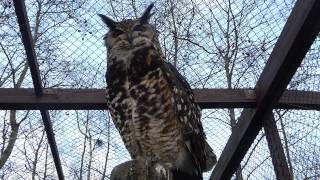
point(151, 103)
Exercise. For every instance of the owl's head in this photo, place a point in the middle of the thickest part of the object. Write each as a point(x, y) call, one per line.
point(131, 33)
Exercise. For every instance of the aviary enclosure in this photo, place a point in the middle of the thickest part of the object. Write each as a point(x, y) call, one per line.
point(254, 66)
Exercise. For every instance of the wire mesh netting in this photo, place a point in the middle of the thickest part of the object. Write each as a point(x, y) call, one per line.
point(214, 44)
point(298, 129)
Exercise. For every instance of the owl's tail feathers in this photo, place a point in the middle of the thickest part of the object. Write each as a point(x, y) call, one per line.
point(211, 158)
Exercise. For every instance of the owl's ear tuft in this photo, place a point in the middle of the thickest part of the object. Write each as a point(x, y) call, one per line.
point(146, 14)
point(108, 21)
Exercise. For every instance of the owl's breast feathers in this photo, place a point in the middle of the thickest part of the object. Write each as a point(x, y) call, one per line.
point(154, 110)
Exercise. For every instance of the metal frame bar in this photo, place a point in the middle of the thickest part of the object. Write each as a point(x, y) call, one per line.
point(298, 34)
point(28, 43)
point(94, 99)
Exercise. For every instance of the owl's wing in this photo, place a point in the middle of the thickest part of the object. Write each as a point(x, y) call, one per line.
point(187, 109)
point(117, 113)
point(188, 113)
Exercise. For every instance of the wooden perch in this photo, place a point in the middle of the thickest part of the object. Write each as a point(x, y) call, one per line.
point(134, 170)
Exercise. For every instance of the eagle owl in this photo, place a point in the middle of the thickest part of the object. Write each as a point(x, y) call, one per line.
point(151, 103)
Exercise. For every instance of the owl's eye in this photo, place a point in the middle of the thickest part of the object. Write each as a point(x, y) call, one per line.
point(139, 28)
point(117, 32)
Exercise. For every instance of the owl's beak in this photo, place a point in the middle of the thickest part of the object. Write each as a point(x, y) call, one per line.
point(130, 38)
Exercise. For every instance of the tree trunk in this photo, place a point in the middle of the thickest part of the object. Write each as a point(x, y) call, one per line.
point(12, 139)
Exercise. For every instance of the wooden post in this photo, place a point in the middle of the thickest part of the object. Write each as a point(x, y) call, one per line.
point(279, 161)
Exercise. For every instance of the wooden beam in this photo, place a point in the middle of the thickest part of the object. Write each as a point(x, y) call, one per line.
point(28, 43)
point(303, 100)
point(298, 34)
point(94, 99)
point(225, 98)
point(53, 99)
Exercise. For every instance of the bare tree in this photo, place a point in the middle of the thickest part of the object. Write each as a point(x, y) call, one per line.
point(34, 141)
point(213, 43)
point(48, 16)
